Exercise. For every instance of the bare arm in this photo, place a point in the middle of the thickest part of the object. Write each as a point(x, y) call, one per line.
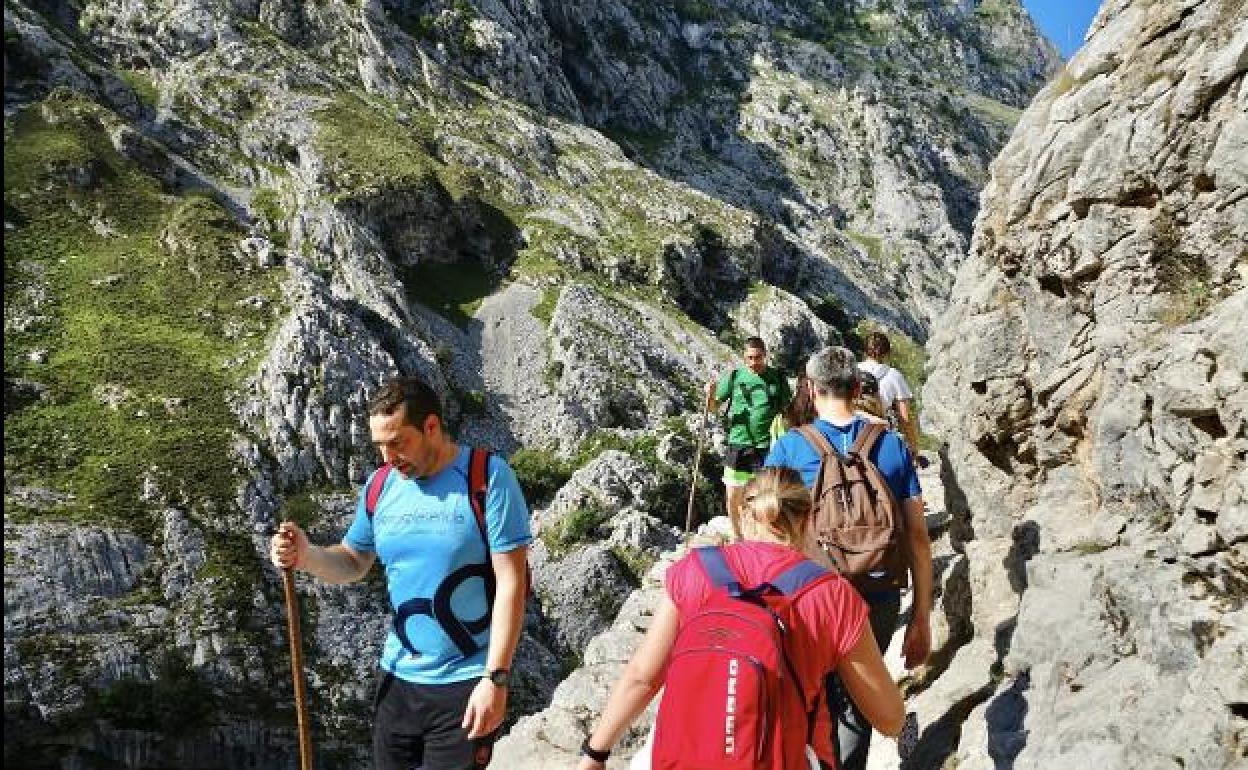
point(918, 639)
point(507, 616)
point(909, 425)
point(711, 402)
point(488, 703)
point(638, 683)
point(870, 686)
point(334, 564)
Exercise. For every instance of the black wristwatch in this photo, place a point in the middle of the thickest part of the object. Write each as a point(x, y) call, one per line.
point(592, 753)
point(500, 677)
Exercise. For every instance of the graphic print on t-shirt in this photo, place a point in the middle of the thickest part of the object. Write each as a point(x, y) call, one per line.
point(424, 519)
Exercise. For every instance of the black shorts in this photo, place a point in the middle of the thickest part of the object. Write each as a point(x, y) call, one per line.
point(747, 459)
point(417, 727)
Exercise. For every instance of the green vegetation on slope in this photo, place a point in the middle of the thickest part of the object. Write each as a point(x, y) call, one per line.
point(174, 701)
point(368, 148)
point(377, 150)
point(124, 303)
point(130, 319)
point(370, 151)
point(454, 289)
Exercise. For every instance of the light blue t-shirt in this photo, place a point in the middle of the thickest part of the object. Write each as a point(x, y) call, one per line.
point(890, 455)
point(424, 531)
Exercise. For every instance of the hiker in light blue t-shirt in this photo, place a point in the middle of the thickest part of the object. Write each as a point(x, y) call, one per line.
point(451, 528)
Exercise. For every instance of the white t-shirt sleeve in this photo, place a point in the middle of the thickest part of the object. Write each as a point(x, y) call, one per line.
point(897, 384)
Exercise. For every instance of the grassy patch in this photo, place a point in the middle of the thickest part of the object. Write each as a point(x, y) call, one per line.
point(872, 244)
point(1189, 300)
point(573, 528)
point(992, 109)
point(1181, 275)
point(540, 473)
point(644, 446)
point(636, 561)
point(996, 11)
point(1063, 83)
point(141, 83)
point(267, 204)
point(1089, 547)
point(132, 306)
point(538, 261)
point(544, 310)
point(365, 146)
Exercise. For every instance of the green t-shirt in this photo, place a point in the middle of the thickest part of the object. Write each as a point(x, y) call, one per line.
point(756, 400)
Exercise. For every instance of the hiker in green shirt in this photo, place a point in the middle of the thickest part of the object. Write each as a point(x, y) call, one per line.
point(755, 393)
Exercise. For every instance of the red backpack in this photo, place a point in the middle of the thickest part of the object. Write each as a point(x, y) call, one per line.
point(732, 699)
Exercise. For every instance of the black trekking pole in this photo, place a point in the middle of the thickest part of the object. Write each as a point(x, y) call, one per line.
point(296, 668)
point(697, 461)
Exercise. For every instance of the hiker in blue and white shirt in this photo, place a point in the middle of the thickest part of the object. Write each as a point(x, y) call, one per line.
point(456, 574)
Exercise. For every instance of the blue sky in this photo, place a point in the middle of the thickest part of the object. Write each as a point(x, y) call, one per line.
point(1063, 21)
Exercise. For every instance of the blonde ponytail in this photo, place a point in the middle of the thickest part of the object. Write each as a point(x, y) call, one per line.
point(777, 499)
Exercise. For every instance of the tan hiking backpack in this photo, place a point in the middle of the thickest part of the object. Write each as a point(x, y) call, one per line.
point(858, 521)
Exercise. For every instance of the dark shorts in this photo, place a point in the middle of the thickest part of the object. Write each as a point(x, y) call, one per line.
point(417, 727)
point(741, 463)
point(747, 459)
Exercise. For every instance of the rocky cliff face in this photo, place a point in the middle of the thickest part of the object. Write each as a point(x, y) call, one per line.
point(227, 220)
point(1091, 380)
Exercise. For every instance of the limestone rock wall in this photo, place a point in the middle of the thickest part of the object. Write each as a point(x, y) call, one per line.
point(1090, 381)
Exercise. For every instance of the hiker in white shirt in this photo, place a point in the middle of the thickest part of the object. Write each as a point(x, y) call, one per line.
point(895, 393)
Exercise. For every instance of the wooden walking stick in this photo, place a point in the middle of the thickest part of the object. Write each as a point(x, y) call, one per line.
point(296, 668)
point(697, 460)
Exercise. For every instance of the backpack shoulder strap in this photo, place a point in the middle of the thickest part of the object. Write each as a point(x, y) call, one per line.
point(868, 436)
point(375, 486)
point(478, 485)
point(797, 577)
point(816, 439)
point(717, 570)
point(478, 489)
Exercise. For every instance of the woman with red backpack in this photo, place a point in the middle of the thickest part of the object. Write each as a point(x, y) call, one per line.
point(742, 643)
